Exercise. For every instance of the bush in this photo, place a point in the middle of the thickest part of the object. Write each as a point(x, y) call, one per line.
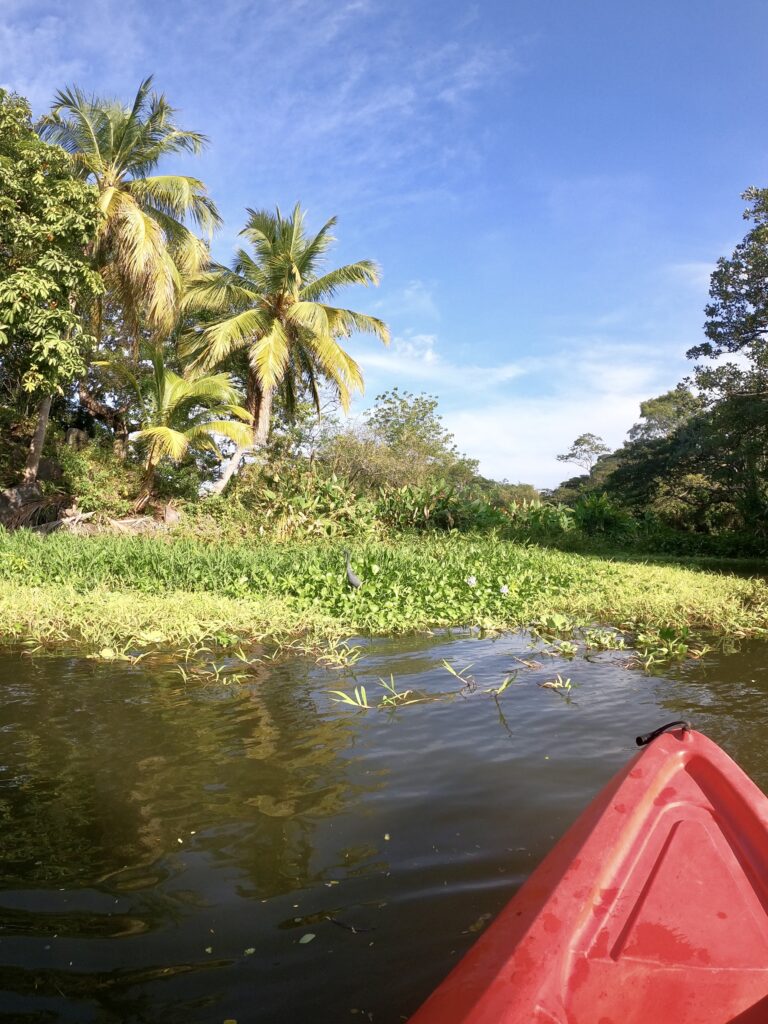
point(539, 521)
point(293, 502)
point(597, 515)
point(435, 507)
point(98, 479)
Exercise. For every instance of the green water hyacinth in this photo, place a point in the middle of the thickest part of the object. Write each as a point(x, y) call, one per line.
point(111, 591)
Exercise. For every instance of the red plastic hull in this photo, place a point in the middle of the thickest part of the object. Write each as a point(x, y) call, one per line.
point(652, 908)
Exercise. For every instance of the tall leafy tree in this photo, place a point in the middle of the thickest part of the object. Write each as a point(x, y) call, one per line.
point(661, 416)
point(585, 451)
point(271, 311)
point(47, 219)
point(737, 315)
point(144, 245)
point(401, 440)
point(735, 393)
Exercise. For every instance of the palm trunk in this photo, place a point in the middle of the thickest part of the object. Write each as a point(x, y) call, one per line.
point(147, 485)
point(32, 465)
point(259, 405)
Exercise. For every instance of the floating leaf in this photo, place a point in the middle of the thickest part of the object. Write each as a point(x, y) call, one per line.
point(307, 937)
point(480, 923)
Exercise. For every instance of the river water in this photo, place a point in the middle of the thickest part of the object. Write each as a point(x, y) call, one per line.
point(199, 851)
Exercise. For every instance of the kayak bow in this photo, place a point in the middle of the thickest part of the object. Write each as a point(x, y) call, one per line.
point(652, 907)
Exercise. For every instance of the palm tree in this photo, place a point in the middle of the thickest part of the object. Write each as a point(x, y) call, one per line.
point(144, 247)
point(271, 309)
point(182, 413)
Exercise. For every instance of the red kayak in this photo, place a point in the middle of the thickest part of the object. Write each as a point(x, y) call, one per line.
point(652, 908)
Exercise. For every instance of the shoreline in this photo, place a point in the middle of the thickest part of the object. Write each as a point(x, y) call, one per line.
point(176, 594)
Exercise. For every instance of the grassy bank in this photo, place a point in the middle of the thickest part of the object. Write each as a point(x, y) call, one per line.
point(142, 592)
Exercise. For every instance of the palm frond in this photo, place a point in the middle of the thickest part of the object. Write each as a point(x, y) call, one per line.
point(347, 321)
point(163, 441)
point(136, 243)
point(309, 315)
point(365, 272)
point(269, 355)
point(217, 291)
point(213, 343)
point(177, 196)
point(240, 433)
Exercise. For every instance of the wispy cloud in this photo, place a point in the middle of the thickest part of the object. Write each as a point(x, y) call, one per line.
point(515, 417)
point(694, 274)
point(415, 361)
point(519, 438)
point(415, 300)
point(44, 47)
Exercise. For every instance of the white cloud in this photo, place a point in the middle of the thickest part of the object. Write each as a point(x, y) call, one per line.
point(413, 301)
point(413, 361)
point(694, 274)
point(519, 438)
point(516, 417)
point(41, 52)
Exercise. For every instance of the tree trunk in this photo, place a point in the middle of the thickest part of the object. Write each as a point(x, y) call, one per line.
point(259, 405)
point(29, 475)
point(113, 418)
point(146, 488)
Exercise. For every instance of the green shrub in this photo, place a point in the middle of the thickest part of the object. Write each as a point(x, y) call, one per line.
point(435, 507)
point(98, 479)
point(293, 502)
point(597, 514)
point(539, 521)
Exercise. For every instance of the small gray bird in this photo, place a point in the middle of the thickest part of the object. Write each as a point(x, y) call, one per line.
point(352, 579)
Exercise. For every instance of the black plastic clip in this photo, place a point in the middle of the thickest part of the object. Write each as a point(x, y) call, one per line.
point(643, 741)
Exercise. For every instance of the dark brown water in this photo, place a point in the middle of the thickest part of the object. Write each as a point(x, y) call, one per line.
point(166, 847)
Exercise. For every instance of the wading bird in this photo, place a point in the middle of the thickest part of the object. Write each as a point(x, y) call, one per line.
point(352, 579)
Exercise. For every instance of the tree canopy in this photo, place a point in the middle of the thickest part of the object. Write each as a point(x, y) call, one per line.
point(47, 219)
point(143, 247)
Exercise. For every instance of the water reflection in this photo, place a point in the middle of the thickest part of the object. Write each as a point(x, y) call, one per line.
point(167, 849)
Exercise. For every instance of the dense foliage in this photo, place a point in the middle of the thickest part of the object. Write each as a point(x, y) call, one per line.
point(47, 219)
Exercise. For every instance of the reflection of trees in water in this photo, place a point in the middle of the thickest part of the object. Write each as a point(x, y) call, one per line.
point(106, 767)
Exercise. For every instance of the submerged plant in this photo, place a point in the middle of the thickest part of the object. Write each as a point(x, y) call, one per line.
point(558, 684)
point(392, 697)
point(358, 700)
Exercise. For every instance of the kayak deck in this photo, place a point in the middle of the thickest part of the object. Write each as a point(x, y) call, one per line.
point(653, 907)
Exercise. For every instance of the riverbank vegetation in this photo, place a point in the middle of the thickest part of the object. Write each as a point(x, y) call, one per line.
point(149, 592)
point(146, 388)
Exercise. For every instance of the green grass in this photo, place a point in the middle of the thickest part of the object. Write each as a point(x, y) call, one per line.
point(175, 592)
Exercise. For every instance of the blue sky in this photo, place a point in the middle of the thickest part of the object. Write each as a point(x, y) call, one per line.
point(546, 183)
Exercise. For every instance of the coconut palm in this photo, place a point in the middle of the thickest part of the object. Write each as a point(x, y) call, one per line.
point(271, 312)
point(144, 246)
point(181, 413)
